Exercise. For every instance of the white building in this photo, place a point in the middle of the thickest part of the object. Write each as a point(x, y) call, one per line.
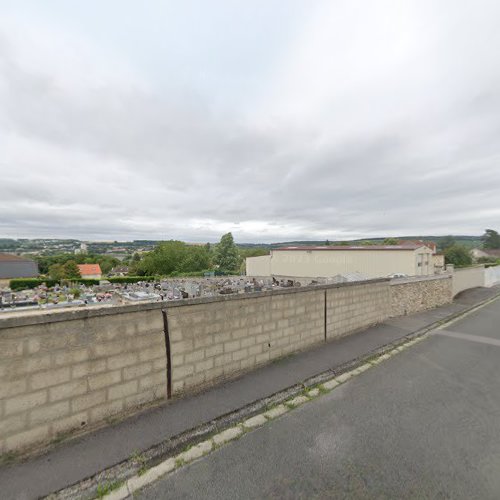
point(327, 261)
point(82, 250)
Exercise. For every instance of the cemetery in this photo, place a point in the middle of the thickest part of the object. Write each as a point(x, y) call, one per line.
point(106, 293)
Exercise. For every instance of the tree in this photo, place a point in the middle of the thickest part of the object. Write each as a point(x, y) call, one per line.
point(105, 261)
point(447, 242)
point(71, 270)
point(56, 271)
point(458, 255)
point(196, 258)
point(390, 241)
point(491, 239)
point(164, 259)
point(226, 254)
point(172, 257)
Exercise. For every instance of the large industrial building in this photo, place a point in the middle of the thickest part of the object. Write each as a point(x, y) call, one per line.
point(13, 266)
point(329, 261)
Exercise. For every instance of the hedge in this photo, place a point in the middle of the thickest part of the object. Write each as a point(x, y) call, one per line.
point(24, 283)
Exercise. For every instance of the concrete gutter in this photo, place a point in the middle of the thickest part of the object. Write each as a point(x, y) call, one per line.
point(125, 471)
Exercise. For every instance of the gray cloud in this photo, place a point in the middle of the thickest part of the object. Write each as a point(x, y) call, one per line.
point(398, 140)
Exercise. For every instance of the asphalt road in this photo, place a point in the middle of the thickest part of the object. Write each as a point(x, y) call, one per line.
point(424, 424)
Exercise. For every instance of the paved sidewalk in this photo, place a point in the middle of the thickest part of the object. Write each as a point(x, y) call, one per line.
point(77, 459)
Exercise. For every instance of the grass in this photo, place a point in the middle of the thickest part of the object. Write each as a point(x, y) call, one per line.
point(8, 457)
point(140, 460)
point(104, 489)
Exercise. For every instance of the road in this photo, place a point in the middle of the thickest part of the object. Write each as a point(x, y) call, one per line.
point(424, 424)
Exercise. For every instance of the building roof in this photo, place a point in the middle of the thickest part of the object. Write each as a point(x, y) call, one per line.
point(431, 244)
point(350, 248)
point(8, 257)
point(89, 269)
point(492, 252)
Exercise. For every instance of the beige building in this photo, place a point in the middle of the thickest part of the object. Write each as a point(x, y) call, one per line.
point(327, 261)
point(439, 263)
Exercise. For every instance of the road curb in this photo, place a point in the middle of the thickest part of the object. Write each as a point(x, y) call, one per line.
point(122, 479)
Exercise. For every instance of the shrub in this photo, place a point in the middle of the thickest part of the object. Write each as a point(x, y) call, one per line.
point(26, 283)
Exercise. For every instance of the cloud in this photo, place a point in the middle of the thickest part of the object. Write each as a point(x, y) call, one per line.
point(377, 119)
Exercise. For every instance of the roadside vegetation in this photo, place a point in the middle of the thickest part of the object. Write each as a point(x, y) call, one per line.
point(460, 255)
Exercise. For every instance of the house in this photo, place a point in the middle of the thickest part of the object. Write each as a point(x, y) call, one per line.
point(13, 266)
point(90, 271)
point(327, 261)
point(488, 253)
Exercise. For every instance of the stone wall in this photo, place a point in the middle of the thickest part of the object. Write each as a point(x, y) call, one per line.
point(67, 370)
point(413, 295)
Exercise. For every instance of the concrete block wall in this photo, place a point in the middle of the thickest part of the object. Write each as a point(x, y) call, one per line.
point(355, 306)
point(67, 370)
point(413, 295)
point(469, 277)
point(492, 276)
point(219, 338)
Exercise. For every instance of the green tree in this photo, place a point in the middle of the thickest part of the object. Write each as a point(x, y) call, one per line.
point(458, 255)
point(390, 241)
point(174, 257)
point(226, 254)
point(56, 271)
point(71, 270)
point(164, 259)
point(491, 239)
point(196, 258)
point(446, 242)
point(105, 261)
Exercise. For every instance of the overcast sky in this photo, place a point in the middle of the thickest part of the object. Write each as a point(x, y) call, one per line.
point(273, 119)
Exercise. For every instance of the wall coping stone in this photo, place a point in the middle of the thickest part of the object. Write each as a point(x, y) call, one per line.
point(468, 268)
point(16, 319)
point(416, 279)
